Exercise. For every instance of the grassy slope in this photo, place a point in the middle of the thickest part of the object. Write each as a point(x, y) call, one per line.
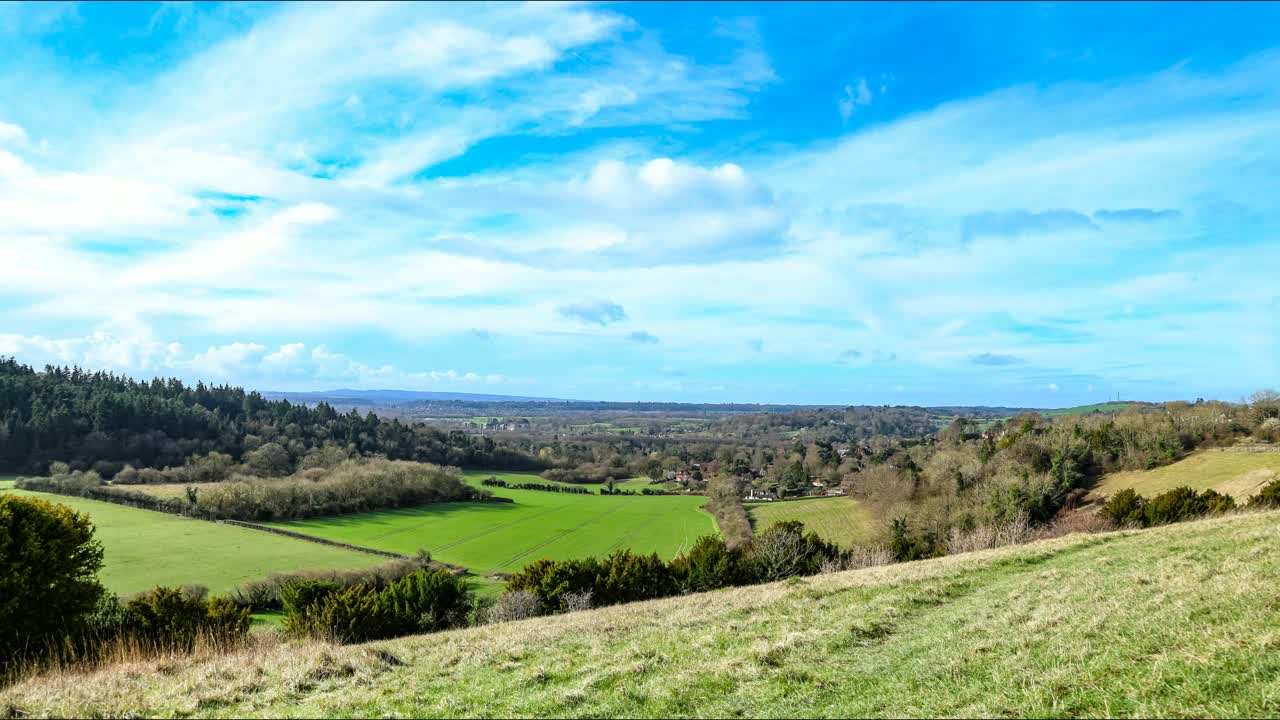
point(1175, 621)
point(1232, 472)
point(1106, 407)
point(144, 549)
point(841, 520)
point(504, 537)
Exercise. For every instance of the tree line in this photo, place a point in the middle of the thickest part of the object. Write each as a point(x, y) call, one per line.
point(102, 421)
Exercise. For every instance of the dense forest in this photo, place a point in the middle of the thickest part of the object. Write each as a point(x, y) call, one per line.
point(102, 421)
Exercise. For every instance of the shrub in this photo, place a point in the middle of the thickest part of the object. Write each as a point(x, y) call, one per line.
point(171, 618)
point(1267, 497)
point(1125, 508)
point(784, 550)
point(906, 546)
point(513, 605)
point(1215, 503)
point(48, 584)
point(624, 576)
point(266, 594)
point(1173, 506)
point(550, 580)
point(709, 565)
point(425, 601)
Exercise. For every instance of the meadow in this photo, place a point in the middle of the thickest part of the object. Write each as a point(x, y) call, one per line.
point(1161, 622)
point(143, 549)
point(841, 520)
point(1231, 472)
point(504, 537)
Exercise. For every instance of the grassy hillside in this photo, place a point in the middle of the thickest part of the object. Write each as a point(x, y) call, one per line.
point(841, 520)
point(504, 537)
point(1175, 621)
point(143, 549)
point(1106, 407)
point(1239, 474)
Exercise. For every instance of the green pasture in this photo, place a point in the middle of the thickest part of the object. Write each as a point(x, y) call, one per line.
point(504, 537)
point(143, 549)
point(841, 520)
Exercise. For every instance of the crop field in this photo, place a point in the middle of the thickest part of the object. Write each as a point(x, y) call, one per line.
point(504, 537)
point(143, 549)
point(1236, 473)
point(841, 520)
point(1166, 622)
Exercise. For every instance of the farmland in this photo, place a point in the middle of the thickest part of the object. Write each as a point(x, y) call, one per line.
point(504, 537)
point(143, 549)
point(1107, 625)
point(1234, 473)
point(841, 520)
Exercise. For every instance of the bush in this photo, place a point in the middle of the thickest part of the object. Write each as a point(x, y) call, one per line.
point(785, 550)
point(625, 576)
point(171, 618)
point(266, 594)
point(1173, 506)
point(709, 565)
point(49, 583)
point(1267, 497)
point(906, 546)
point(1124, 508)
point(425, 601)
point(513, 605)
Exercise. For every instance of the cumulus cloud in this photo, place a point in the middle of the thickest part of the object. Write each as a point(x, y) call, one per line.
point(643, 338)
point(994, 359)
point(593, 312)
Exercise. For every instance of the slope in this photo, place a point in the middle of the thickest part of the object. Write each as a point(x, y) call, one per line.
point(1179, 620)
point(143, 549)
point(1232, 472)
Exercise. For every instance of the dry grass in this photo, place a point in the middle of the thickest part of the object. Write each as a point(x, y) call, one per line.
point(1239, 474)
point(1175, 621)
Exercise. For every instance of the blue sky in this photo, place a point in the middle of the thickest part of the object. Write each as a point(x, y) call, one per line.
point(1005, 204)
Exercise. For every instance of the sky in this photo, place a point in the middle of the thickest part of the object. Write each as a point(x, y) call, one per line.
point(1032, 204)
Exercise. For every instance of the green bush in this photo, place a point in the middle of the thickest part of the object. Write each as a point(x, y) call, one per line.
point(551, 580)
point(906, 546)
point(1267, 497)
point(1215, 503)
point(1176, 505)
point(425, 601)
point(785, 550)
point(709, 565)
point(172, 618)
point(1125, 508)
point(624, 576)
point(48, 574)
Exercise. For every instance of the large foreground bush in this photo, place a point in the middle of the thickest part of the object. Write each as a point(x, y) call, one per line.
point(48, 574)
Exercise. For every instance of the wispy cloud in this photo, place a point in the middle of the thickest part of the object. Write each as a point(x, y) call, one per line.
point(593, 312)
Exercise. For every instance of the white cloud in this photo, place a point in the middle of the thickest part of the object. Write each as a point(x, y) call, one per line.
point(855, 96)
point(288, 366)
point(11, 134)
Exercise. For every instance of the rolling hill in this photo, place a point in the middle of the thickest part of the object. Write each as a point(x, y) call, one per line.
point(1175, 621)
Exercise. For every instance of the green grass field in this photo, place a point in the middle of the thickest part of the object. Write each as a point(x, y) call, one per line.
point(841, 520)
point(143, 549)
point(1106, 407)
point(504, 537)
point(1177, 621)
point(1235, 473)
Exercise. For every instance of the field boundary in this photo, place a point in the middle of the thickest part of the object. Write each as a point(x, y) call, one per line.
point(312, 538)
